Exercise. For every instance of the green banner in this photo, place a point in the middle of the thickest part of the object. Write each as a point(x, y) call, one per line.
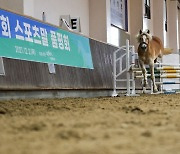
point(27, 39)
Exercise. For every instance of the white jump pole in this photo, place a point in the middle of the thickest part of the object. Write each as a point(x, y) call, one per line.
point(160, 76)
point(133, 75)
point(166, 69)
point(114, 94)
point(127, 67)
point(114, 74)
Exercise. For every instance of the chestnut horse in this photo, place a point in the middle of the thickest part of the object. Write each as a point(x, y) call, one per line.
point(149, 49)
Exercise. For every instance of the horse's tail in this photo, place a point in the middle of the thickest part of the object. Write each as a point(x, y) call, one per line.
point(167, 51)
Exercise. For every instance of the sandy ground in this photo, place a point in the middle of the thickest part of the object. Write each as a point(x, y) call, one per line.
point(149, 124)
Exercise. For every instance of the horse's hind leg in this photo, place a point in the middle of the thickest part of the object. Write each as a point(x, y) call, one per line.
point(143, 72)
point(151, 66)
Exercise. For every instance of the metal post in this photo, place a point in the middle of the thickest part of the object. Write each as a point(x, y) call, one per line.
point(51, 67)
point(133, 78)
point(127, 68)
point(43, 17)
point(114, 94)
point(161, 80)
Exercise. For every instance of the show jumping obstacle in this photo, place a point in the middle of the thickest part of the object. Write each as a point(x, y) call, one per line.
point(125, 71)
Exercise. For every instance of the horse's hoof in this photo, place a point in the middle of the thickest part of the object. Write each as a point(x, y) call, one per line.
point(145, 84)
point(155, 90)
point(144, 90)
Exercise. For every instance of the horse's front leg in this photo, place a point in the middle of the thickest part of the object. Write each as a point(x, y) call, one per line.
point(151, 66)
point(143, 68)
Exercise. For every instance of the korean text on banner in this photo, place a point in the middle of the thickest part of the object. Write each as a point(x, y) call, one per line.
point(27, 39)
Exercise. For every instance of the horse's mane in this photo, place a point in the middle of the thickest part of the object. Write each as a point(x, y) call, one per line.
point(139, 35)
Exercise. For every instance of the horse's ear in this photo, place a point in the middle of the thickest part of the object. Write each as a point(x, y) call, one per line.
point(148, 31)
point(140, 32)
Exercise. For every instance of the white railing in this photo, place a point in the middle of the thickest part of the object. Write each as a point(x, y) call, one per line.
point(119, 71)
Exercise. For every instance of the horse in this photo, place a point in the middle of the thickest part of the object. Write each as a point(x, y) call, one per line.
point(149, 49)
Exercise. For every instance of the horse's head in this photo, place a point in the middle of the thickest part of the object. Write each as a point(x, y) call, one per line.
point(143, 39)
